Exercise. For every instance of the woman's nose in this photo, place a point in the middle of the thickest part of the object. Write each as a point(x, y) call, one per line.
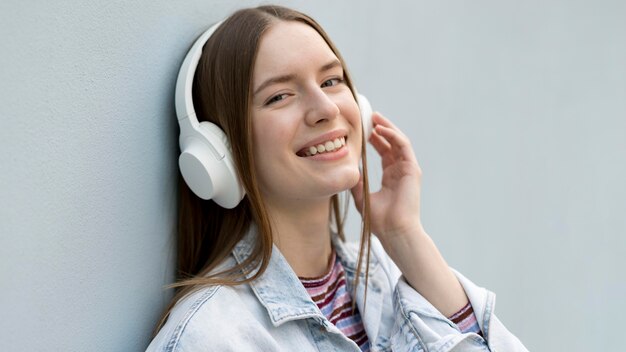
point(320, 108)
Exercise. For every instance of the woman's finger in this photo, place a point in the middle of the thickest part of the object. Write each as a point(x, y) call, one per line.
point(380, 144)
point(380, 119)
point(398, 141)
point(400, 145)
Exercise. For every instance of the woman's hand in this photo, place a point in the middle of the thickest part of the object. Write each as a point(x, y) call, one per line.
point(395, 208)
point(395, 219)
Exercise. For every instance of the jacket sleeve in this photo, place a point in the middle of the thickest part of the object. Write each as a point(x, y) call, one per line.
point(419, 326)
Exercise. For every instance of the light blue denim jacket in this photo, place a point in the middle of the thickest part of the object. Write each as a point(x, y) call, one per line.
point(275, 313)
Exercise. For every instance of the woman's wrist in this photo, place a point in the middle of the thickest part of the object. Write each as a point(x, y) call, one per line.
point(402, 235)
point(425, 269)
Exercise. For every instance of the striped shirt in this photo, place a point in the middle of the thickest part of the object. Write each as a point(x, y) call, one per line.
point(466, 320)
point(331, 296)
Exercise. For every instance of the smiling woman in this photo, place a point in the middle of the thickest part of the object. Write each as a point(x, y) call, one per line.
point(272, 272)
point(302, 95)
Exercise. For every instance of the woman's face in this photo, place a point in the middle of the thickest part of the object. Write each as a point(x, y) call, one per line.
point(306, 123)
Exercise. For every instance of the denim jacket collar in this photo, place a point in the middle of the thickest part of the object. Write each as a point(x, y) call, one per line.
point(279, 289)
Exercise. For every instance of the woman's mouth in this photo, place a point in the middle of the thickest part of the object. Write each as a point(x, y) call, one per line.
point(329, 146)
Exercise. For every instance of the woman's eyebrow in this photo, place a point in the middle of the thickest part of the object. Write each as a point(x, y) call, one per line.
point(286, 78)
point(334, 63)
point(274, 80)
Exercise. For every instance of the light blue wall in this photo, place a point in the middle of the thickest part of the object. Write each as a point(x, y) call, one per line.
point(516, 110)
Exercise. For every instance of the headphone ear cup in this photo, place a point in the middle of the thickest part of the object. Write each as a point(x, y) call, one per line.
point(207, 166)
point(366, 115)
point(196, 162)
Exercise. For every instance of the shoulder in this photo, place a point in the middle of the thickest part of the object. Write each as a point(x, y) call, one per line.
point(187, 314)
point(212, 318)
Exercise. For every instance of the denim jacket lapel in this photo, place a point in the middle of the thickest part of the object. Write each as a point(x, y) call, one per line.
point(279, 290)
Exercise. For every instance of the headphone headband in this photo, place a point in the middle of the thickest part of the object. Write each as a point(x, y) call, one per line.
point(184, 83)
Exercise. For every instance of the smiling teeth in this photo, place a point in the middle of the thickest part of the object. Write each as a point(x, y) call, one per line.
point(327, 146)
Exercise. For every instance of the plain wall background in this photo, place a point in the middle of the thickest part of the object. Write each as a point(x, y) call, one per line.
point(516, 111)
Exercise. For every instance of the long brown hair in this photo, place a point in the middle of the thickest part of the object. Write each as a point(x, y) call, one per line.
point(207, 233)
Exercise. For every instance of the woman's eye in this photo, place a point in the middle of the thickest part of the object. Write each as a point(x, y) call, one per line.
point(276, 98)
point(331, 82)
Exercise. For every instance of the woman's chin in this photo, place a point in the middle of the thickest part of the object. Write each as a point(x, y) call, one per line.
point(350, 181)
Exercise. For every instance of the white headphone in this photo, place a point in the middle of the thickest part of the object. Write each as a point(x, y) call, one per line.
point(206, 160)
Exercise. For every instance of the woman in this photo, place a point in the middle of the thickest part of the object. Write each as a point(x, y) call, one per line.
point(270, 274)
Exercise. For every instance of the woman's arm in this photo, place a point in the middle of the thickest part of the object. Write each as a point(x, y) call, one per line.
point(395, 219)
point(426, 271)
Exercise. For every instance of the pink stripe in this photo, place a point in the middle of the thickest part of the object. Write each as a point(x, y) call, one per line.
point(352, 329)
point(465, 324)
point(328, 298)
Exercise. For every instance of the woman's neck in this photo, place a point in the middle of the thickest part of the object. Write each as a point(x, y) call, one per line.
point(302, 234)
